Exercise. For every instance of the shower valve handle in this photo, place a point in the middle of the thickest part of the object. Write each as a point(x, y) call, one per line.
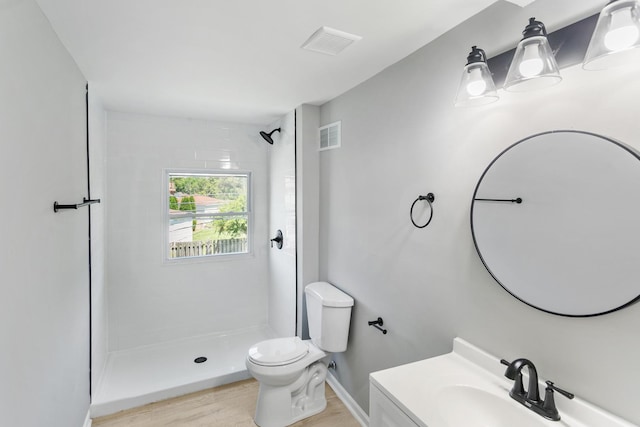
point(278, 239)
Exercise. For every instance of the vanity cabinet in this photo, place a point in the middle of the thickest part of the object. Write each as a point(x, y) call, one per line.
point(384, 413)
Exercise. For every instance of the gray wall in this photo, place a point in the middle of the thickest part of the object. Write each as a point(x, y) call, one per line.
point(307, 206)
point(44, 308)
point(401, 137)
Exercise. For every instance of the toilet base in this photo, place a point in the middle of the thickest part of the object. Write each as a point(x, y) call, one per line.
point(282, 406)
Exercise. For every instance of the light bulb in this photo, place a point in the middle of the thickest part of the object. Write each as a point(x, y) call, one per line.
point(476, 85)
point(531, 64)
point(622, 33)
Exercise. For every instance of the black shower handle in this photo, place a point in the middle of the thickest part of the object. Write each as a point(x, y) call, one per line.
point(279, 239)
point(276, 239)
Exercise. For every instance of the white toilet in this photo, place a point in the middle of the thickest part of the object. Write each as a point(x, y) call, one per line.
point(291, 372)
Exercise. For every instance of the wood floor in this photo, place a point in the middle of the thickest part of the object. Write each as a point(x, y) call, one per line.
point(232, 405)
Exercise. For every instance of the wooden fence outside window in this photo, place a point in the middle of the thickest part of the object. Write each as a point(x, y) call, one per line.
point(209, 247)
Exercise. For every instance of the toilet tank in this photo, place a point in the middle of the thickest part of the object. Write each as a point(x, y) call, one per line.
point(328, 315)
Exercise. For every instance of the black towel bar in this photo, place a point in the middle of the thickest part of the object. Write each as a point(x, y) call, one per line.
point(85, 202)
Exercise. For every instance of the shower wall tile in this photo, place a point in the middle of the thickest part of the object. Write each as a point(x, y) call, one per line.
point(282, 215)
point(151, 301)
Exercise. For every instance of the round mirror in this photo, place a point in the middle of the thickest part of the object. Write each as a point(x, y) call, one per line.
point(556, 221)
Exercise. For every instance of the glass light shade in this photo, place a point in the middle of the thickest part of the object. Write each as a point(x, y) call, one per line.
point(533, 66)
point(476, 86)
point(616, 39)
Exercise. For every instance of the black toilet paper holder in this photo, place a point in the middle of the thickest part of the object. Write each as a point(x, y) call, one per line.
point(377, 323)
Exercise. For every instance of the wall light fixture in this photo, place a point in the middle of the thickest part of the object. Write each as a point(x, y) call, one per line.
point(616, 37)
point(605, 40)
point(533, 65)
point(476, 86)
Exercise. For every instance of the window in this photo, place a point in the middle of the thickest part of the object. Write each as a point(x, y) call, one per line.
point(208, 214)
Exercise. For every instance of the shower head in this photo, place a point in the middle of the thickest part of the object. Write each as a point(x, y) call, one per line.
point(267, 136)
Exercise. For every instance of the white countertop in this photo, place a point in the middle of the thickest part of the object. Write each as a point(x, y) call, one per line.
point(424, 390)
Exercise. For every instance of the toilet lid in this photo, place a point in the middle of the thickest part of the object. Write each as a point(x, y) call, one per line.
point(278, 351)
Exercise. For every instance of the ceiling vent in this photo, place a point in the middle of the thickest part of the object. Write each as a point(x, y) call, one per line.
point(329, 41)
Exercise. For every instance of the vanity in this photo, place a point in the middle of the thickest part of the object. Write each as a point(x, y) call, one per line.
point(466, 388)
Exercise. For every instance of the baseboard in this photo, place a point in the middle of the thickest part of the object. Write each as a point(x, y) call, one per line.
point(87, 420)
point(355, 409)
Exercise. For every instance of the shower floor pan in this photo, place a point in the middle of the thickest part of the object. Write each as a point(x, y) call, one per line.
point(148, 374)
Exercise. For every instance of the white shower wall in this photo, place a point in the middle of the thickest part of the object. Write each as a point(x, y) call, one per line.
point(282, 216)
point(151, 301)
point(97, 151)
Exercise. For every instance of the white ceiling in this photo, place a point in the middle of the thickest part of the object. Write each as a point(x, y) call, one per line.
point(239, 60)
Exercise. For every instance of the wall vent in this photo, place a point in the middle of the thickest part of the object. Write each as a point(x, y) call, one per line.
point(330, 136)
point(329, 41)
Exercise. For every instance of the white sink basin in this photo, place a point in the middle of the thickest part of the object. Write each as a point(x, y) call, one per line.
point(474, 407)
point(467, 388)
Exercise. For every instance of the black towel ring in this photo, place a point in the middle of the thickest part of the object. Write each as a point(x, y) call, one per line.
point(429, 198)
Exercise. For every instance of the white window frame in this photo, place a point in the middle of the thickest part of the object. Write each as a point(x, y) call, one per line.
point(167, 173)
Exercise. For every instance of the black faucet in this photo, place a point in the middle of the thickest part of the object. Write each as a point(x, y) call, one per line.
point(530, 398)
point(514, 372)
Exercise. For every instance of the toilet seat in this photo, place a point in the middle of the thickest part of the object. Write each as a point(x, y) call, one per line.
point(278, 351)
